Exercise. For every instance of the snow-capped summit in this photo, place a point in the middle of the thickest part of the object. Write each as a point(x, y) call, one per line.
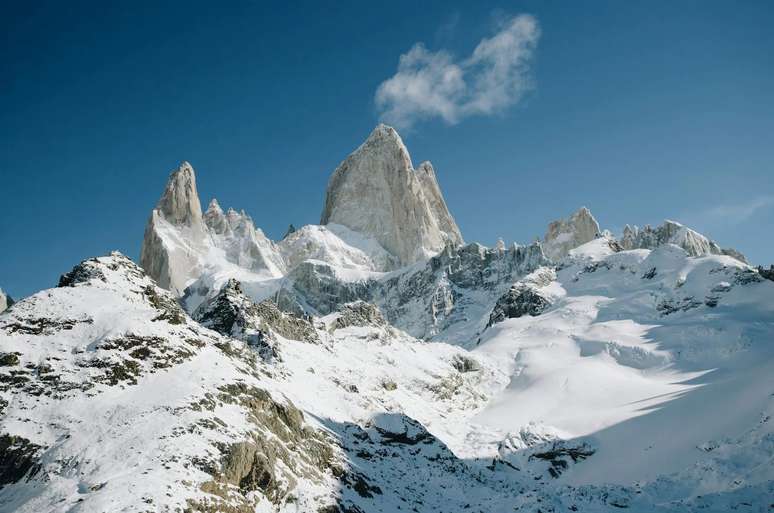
point(672, 232)
point(566, 234)
point(377, 192)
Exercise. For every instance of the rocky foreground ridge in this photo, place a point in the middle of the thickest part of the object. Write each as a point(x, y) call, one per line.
point(377, 363)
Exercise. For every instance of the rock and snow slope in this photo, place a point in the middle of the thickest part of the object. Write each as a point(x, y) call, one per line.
point(113, 399)
point(320, 373)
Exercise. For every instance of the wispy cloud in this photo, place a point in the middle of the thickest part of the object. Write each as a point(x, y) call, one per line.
point(433, 84)
point(732, 214)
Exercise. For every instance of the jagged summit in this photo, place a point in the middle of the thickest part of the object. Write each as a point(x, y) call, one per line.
point(376, 192)
point(581, 227)
point(566, 234)
point(180, 201)
point(672, 232)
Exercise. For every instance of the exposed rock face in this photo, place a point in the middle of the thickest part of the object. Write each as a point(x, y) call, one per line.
point(566, 234)
point(180, 202)
point(432, 190)
point(291, 229)
point(671, 232)
point(317, 287)
point(359, 313)
point(281, 451)
point(520, 300)
point(525, 297)
point(231, 313)
point(377, 193)
point(5, 301)
point(766, 273)
point(227, 313)
point(172, 263)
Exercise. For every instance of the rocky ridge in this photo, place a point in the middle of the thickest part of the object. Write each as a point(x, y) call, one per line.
point(671, 232)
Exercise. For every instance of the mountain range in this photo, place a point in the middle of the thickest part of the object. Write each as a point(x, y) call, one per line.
point(378, 362)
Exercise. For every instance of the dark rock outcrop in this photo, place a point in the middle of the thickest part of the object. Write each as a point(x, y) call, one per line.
point(18, 459)
point(233, 314)
point(766, 273)
point(520, 300)
point(359, 313)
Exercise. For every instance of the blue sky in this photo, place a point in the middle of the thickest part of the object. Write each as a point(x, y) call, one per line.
point(639, 110)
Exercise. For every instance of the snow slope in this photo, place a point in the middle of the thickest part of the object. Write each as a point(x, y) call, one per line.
point(649, 355)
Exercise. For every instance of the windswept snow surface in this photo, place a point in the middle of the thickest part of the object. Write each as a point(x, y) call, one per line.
point(635, 359)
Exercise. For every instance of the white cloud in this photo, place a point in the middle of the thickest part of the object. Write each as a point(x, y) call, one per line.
point(728, 215)
point(738, 212)
point(431, 84)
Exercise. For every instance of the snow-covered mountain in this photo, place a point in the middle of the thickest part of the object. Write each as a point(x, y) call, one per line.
point(671, 232)
point(376, 363)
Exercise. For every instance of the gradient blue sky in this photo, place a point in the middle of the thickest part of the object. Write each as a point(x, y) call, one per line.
point(640, 111)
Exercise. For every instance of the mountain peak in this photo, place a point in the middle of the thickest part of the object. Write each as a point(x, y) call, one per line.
point(566, 234)
point(376, 191)
point(382, 131)
point(214, 207)
point(180, 201)
point(172, 265)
